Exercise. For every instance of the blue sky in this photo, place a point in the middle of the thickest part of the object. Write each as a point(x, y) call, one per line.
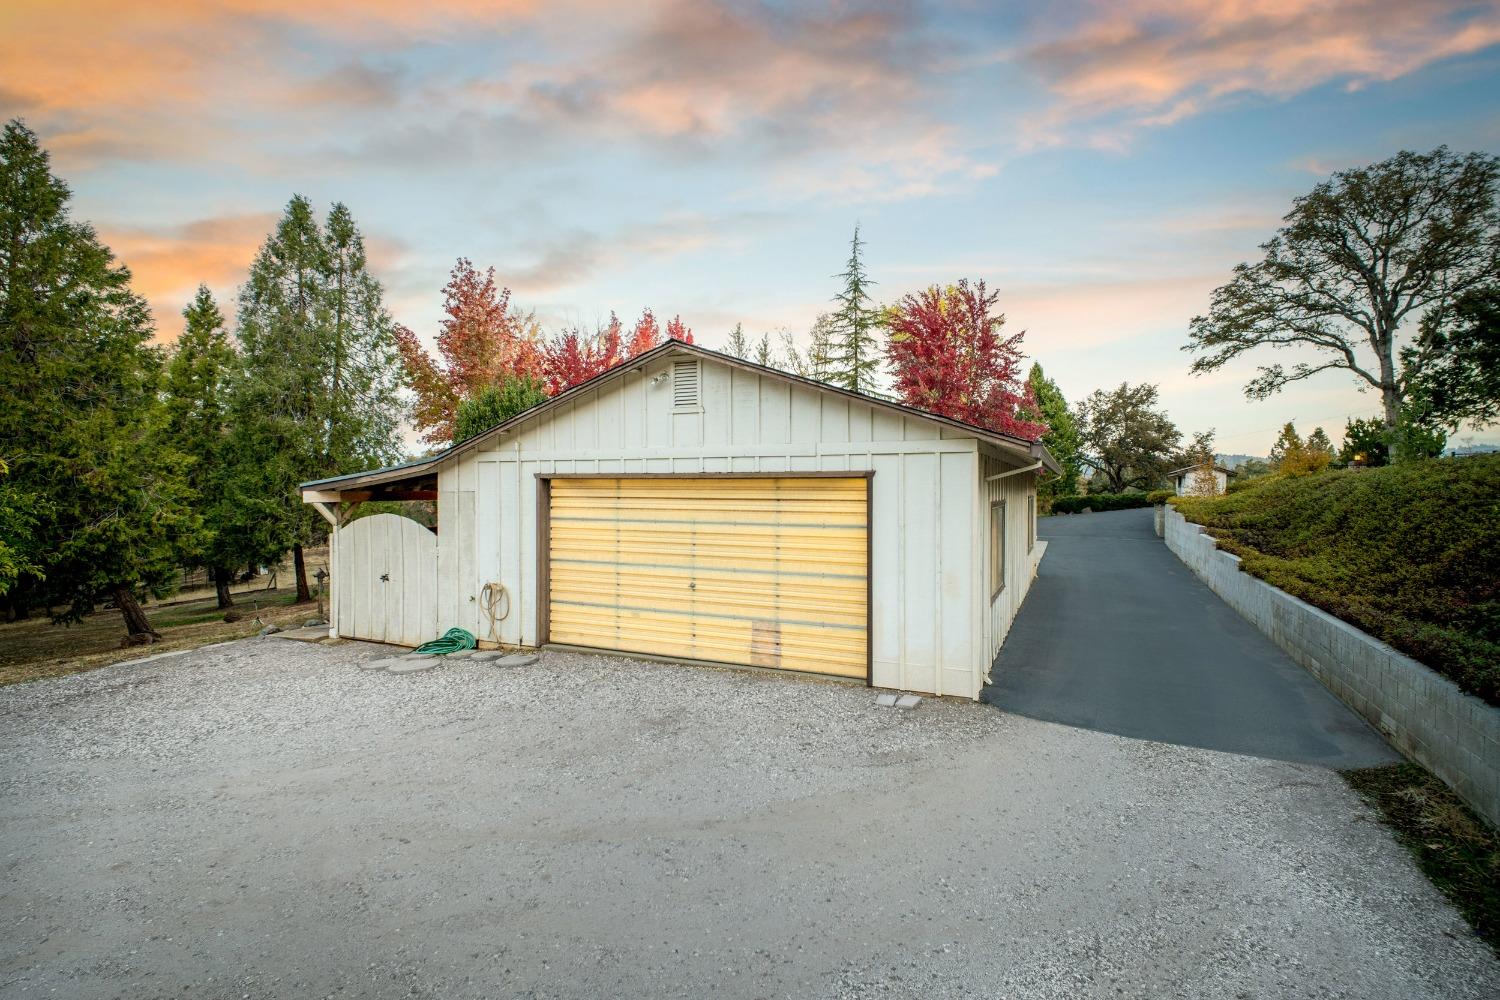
point(1103, 165)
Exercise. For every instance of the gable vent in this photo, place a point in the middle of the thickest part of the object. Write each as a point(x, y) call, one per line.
point(684, 385)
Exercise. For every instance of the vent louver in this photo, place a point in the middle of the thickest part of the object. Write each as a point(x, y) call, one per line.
point(684, 385)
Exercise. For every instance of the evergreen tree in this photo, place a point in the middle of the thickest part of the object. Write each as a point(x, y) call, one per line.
point(1365, 443)
point(764, 353)
point(320, 395)
point(738, 345)
point(364, 379)
point(109, 515)
point(1319, 443)
point(1061, 438)
point(853, 354)
point(1292, 456)
point(820, 348)
point(792, 359)
point(495, 404)
point(200, 383)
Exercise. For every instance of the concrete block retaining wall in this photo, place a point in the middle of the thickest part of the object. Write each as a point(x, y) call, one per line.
point(1424, 715)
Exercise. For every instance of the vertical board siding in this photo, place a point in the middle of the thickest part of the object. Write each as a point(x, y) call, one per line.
point(933, 628)
point(1018, 493)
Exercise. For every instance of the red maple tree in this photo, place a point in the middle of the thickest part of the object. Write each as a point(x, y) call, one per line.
point(480, 341)
point(948, 357)
point(575, 356)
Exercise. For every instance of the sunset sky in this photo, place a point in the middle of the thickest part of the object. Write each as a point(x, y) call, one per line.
point(1103, 165)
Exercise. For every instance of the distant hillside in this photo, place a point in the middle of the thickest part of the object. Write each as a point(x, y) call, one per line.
point(1235, 461)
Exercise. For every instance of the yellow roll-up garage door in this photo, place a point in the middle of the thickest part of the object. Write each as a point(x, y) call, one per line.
point(767, 572)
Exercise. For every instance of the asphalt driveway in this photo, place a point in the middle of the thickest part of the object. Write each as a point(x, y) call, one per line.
point(1119, 636)
point(265, 819)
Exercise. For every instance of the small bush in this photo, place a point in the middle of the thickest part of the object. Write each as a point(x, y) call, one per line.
point(1409, 553)
point(1160, 496)
point(1099, 501)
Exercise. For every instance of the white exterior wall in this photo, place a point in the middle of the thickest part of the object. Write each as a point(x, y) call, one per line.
point(1185, 482)
point(1022, 551)
point(930, 631)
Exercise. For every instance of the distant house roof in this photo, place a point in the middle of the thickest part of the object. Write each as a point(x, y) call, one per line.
point(1191, 468)
point(1029, 448)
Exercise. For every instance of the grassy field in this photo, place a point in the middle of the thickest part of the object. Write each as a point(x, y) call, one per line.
point(36, 648)
point(1408, 553)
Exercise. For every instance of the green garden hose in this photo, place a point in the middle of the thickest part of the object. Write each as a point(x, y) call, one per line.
point(452, 641)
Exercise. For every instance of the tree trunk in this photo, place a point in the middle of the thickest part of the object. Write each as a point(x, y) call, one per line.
point(138, 629)
point(304, 595)
point(1391, 398)
point(221, 586)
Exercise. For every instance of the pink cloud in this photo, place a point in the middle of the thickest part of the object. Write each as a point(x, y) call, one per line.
point(1144, 63)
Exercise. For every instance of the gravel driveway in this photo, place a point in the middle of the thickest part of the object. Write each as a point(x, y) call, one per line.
point(264, 820)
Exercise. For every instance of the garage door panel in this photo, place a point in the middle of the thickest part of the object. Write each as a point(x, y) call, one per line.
point(766, 572)
point(842, 603)
point(806, 648)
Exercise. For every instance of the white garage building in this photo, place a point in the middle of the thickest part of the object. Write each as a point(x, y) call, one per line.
point(697, 507)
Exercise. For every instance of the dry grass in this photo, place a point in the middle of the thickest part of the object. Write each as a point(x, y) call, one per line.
point(1453, 846)
point(36, 648)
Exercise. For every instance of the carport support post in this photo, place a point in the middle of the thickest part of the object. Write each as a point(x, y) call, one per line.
point(334, 516)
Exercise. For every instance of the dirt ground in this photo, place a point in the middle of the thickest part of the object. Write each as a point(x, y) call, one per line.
point(265, 819)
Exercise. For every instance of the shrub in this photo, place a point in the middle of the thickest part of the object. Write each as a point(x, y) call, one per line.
point(1409, 553)
point(1099, 501)
point(1160, 496)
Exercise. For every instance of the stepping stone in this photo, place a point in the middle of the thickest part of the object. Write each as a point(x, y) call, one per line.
point(485, 655)
point(414, 657)
point(380, 663)
point(410, 666)
point(462, 654)
point(908, 701)
point(517, 660)
point(885, 701)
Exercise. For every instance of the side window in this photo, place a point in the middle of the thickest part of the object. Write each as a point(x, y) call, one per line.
point(1031, 522)
point(997, 548)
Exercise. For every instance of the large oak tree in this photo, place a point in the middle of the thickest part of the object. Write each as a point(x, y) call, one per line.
point(1125, 437)
point(1358, 257)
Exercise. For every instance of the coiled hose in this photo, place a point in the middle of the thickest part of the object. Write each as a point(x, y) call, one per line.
point(451, 641)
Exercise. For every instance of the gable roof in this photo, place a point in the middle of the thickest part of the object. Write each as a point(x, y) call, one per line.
point(1034, 450)
point(1190, 468)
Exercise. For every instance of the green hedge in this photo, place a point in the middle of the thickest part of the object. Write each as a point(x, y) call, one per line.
point(1160, 496)
point(1408, 553)
point(1099, 501)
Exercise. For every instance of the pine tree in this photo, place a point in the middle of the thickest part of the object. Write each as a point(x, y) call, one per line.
point(792, 359)
point(737, 345)
point(320, 395)
point(108, 507)
point(1061, 438)
point(201, 379)
point(765, 355)
point(853, 354)
point(364, 406)
point(820, 348)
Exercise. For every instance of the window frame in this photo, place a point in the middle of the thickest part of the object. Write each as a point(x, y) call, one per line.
point(997, 549)
point(1031, 522)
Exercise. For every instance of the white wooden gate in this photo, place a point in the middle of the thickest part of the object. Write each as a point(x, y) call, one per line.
point(385, 580)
